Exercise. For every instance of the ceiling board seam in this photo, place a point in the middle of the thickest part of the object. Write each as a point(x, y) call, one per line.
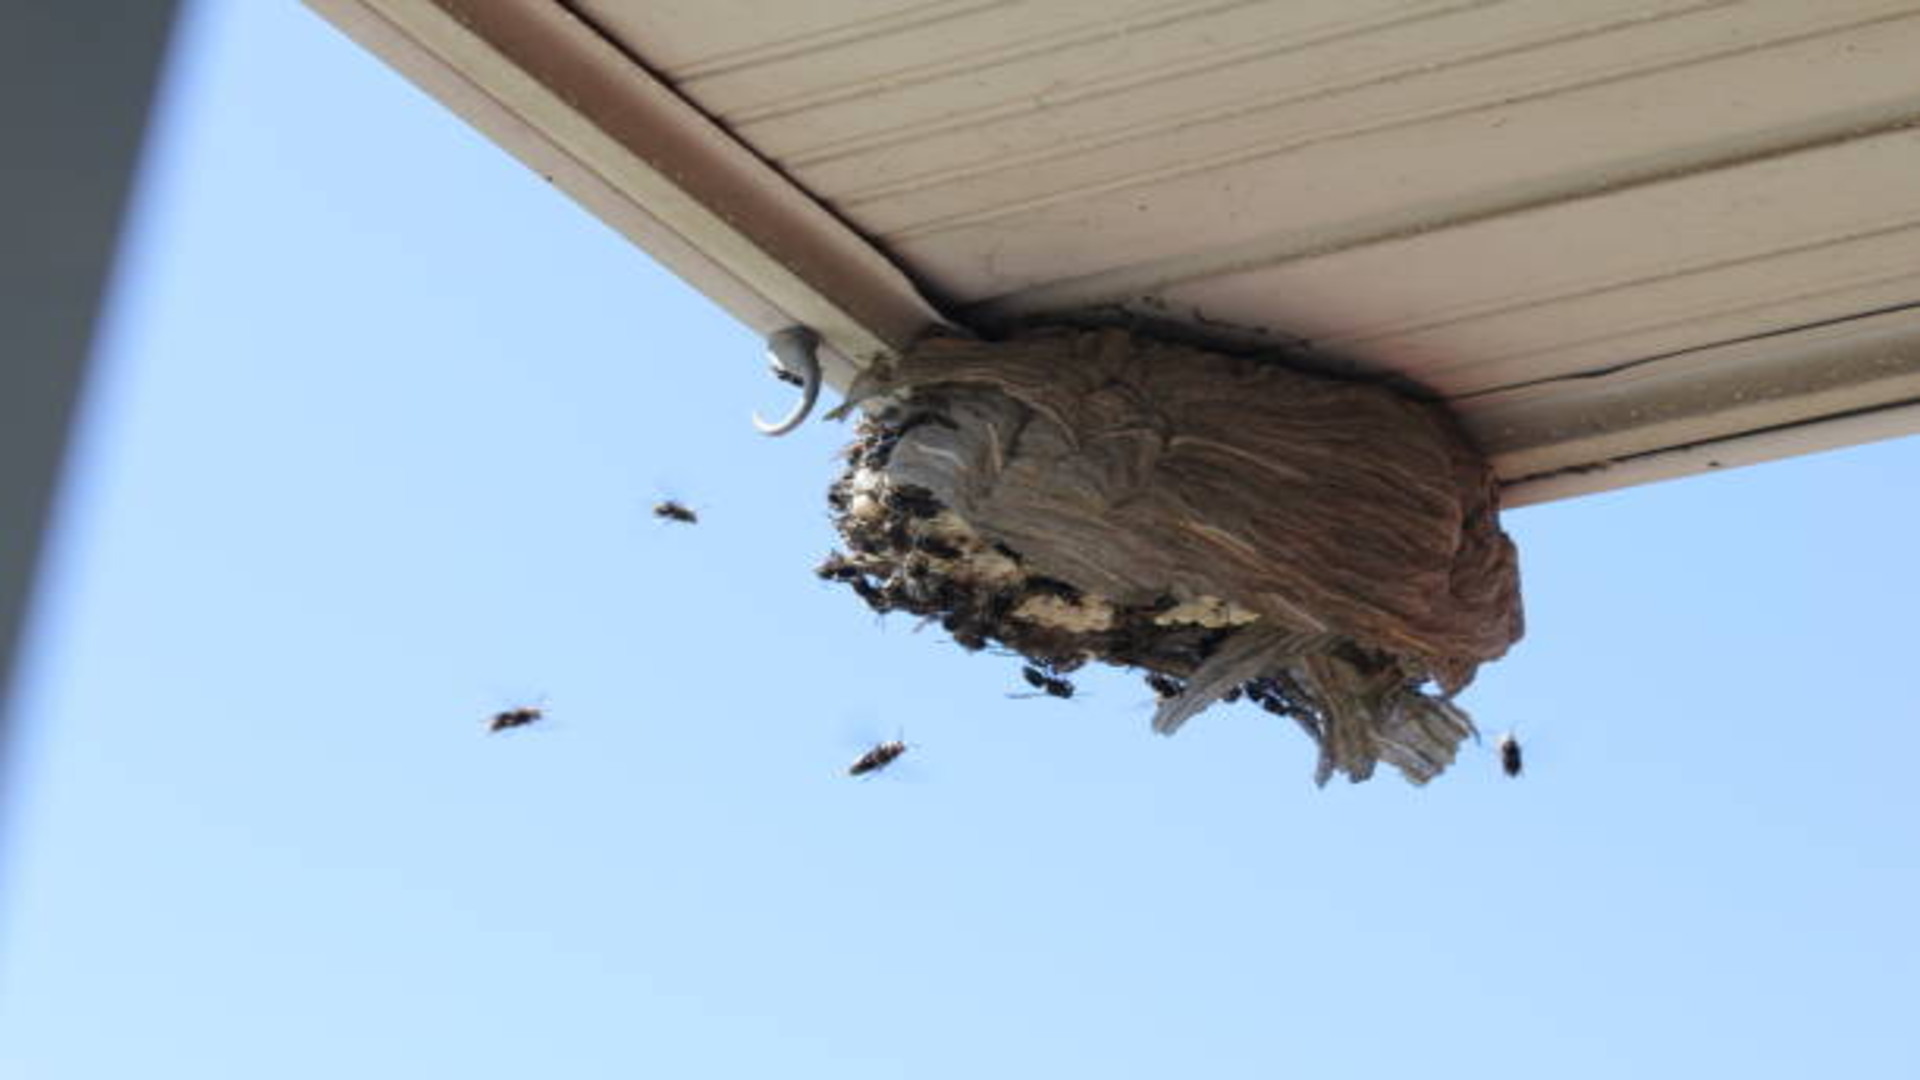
point(1244, 53)
point(1348, 83)
point(1535, 488)
point(1510, 303)
point(1117, 284)
point(731, 60)
point(1611, 370)
point(1545, 354)
point(1248, 153)
point(973, 62)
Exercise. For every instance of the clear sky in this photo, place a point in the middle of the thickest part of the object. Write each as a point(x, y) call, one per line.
point(379, 418)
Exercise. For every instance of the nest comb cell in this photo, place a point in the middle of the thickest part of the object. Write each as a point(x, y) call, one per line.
point(1226, 526)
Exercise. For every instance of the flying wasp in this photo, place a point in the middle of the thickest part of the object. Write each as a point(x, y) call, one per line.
point(1050, 685)
point(881, 756)
point(1511, 761)
point(669, 510)
point(508, 719)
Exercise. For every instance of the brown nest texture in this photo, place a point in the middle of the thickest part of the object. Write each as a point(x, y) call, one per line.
point(1229, 527)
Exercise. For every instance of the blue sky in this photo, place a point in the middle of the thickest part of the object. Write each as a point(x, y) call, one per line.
point(378, 419)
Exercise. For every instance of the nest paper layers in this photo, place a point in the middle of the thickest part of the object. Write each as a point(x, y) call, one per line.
point(1227, 526)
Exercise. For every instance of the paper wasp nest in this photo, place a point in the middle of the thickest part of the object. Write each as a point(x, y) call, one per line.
point(1329, 549)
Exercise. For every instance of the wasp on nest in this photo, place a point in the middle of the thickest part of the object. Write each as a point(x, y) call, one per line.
point(1231, 528)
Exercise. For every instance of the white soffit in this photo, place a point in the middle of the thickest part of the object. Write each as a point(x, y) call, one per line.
point(1628, 241)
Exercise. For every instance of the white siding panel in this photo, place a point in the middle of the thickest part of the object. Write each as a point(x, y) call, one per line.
point(1484, 304)
point(1110, 72)
point(1626, 238)
point(1417, 152)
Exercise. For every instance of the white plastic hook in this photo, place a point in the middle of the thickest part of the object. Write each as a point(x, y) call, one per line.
point(794, 350)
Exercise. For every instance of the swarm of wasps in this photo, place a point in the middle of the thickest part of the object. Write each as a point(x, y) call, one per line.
point(884, 754)
point(973, 622)
point(520, 716)
point(903, 551)
point(879, 757)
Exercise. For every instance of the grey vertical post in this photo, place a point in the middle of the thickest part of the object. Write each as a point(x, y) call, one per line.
point(76, 80)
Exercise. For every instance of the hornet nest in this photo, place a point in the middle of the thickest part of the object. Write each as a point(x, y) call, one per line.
point(1329, 549)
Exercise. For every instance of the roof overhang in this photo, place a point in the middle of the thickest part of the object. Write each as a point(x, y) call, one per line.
point(1624, 245)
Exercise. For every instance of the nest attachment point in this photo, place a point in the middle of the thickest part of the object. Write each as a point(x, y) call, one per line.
point(1228, 527)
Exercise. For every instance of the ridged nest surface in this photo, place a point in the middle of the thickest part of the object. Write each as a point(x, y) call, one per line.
point(1227, 526)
